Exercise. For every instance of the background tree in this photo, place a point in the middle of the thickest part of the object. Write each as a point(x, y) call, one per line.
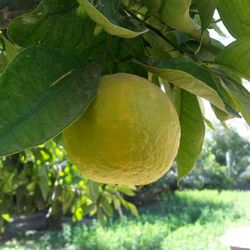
point(231, 150)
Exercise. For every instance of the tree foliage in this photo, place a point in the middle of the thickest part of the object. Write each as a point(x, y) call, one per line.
point(54, 54)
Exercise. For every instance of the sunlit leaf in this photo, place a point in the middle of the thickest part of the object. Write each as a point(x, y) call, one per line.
point(237, 56)
point(235, 16)
point(6, 217)
point(126, 190)
point(187, 75)
point(192, 133)
point(108, 15)
point(133, 209)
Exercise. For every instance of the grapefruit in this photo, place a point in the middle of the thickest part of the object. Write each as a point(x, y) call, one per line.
point(129, 134)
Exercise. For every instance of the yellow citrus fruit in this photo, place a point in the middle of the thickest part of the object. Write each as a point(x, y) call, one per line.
point(129, 134)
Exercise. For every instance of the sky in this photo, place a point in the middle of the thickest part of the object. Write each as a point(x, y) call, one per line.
point(238, 124)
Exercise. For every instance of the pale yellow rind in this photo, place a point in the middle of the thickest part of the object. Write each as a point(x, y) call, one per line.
point(129, 135)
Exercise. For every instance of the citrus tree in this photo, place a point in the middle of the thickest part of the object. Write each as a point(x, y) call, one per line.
point(56, 52)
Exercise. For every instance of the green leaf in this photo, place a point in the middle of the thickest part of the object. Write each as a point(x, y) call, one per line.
point(175, 14)
point(133, 209)
point(68, 196)
point(7, 182)
point(107, 14)
point(206, 10)
point(107, 208)
point(188, 75)
point(43, 181)
point(9, 9)
point(237, 56)
point(117, 203)
point(3, 61)
point(102, 218)
point(208, 123)
point(78, 214)
point(126, 190)
point(94, 190)
point(10, 49)
point(218, 71)
point(221, 115)
point(60, 24)
point(159, 47)
point(40, 96)
point(241, 97)
point(153, 7)
point(235, 16)
point(192, 133)
point(6, 217)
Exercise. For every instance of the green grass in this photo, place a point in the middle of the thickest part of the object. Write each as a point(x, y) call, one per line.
point(185, 220)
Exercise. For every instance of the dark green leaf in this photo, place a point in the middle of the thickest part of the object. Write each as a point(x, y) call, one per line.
point(192, 133)
point(153, 7)
point(3, 62)
point(206, 10)
point(40, 96)
point(108, 14)
point(159, 47)
point(43, 181)
point(9, 51)
point(60, 24)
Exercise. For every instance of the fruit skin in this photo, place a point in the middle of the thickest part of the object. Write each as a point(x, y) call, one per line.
point(129, 135)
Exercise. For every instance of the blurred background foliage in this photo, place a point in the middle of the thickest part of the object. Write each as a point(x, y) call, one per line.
point(42, 179)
